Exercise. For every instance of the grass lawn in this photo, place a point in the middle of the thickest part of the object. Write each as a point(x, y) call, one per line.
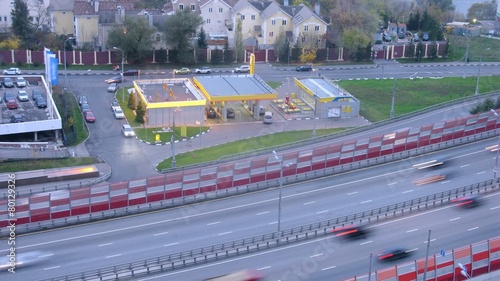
point(37, 164)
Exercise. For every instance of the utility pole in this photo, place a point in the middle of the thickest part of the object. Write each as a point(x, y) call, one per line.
point(393, 97)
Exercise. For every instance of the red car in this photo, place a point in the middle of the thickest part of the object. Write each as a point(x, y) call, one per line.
point(89, 117)
point(12, 104)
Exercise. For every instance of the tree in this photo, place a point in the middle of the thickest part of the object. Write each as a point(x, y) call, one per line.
point(238, 39)
point(216, 56)
point(11, 43)
point(227, 54)
point(483, 11)
point(202, 39)
point(132, 102)
point(308, 56)
point(21, 24)
point(355, 41)
point(135, 38)
point(140, 113)
point(280, 45)
point(180, 29)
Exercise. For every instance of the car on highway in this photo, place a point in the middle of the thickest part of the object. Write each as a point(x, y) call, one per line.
point(394, 254)
point(469, 201)
point(242, 69)
point(203, 70)
point(351, 231)
point(82, 100)
point(40, 102)
point(21, 82)
point(24, 259)
point(12, 104)
point(428, 164)
point(17, 118)
point(116, 79)
point(131, 72)
point(119, 113)
point(127, 131)
point(86, 107)
point(12, 71)
point(22, 95)
point(211, 113)
point(230, 113)
point(35, 94)
point(241, 275)
point(7, 82)
point(304, 68)
point(183, 70)
point(114, 105)
point(89, 116)
point(113, 87)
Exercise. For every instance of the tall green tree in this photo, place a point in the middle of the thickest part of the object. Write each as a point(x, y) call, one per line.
point(21, 24)
point(227, 54)
point(280, 44)
point(202, 39)
point(355, 41)
point(140, 112)
point(483, 11)
point(180, 29)
point(135, 38)
point(238, 39)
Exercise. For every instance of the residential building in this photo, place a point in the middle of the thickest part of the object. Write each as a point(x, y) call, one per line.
point(61, 17)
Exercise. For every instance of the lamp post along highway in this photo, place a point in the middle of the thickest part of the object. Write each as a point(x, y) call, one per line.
point(498, 150)
point(281, 186)
point(466, 52)
point(123, 77)
point(65, 62)
point(479, 73)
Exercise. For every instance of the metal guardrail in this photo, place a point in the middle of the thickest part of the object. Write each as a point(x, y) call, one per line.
point(267, 150)
point(269, 240)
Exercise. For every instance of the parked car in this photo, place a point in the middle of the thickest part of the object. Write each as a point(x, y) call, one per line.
point(242, 69)
point(304, 68)
point(35, 94)
point(425, 36)
point(183, 70)
point(21, 82)
point(82, 100)
point(113, 87)
point(119, 113)
point(203, 70)
point(116, 79)
point(86, 107)
point(211, 113)
point(12, 71)
point(7, 96)
point(40, 102)
point(230, 113)
point(131, 72)
point(416, 38)
point(127, 131)
point(12, 104)
point(16, 118)
point(7, 82)
point(89, 116)
point(114, 105)
point(22, 96)
point(387, 37)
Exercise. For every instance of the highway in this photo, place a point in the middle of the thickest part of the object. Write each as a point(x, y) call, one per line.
point(143, 236)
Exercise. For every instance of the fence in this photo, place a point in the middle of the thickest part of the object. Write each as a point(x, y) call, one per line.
point(270, 240)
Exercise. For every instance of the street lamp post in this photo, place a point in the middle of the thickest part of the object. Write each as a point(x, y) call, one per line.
point(498, 150)
point(479, 73)
point(65, 71)
point(315, 109)
point(393, 99)
point(123, 78)
point(172, 140)
point(281, 186)
point(467, 50)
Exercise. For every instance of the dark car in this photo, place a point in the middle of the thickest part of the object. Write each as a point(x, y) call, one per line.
point(12, 104)
point(351, 231)
point(7, 82)
point(211, 113)
point(35, 94)
point(387, 38)
point(41, 102)
point(17, 118)
point(230, 113)
point(86, 107)
point(303, 68)
point(7, 96)
point(131, 72)
point(82, 100)
point(466, 202)
point(394, 254)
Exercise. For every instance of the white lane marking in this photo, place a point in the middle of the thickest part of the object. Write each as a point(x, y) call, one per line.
point(463, 166)
point(411, 230)
point(326, 268)
point(454, 219)
point(47, 255)
point(265, 267)
point(474, 228)
point(392, 183)
point(307, 203)
point(106, 244)
point(171, 244)
point(494, 208)
point(49, 268)
point(443, 182)
point(352, 193)
point(321, 212)
point(113, 256)
point(212, 223)
point(317, 255)
point(412, 250)
point(367, 201)
point(478, 173)
point(224, 233)
point(432, 240)
point(162, 233)
point(274, 222)
point(367, 242)
point(263, 213)
point(408, 191)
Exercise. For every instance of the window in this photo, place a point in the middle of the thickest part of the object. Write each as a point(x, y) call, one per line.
point(273, 22)
point(303, 40)
point(242, 17)
point(181, 7)
point(221, 10)
point(193, 7)
point(210, 10)
point(306, 28)
point(208, 20)
point(252, 17)
point(283, 22)
point(271, 34)
point(316, 28)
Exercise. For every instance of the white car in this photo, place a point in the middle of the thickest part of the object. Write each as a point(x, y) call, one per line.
point(127, 130)
point(114, 105)
point(203, 70)
point(242, 69)
point(113, 87)
point(20, 82)
point(12, 71)
point(119, 113)
point(22, 96)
